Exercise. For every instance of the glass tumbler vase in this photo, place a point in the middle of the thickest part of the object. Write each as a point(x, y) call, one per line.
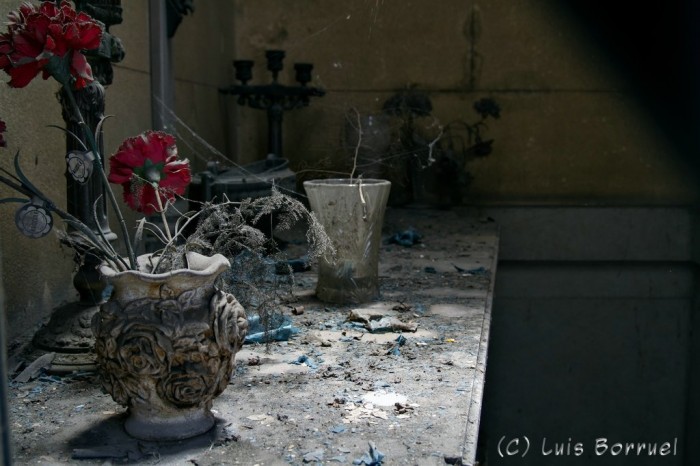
point(352, 213)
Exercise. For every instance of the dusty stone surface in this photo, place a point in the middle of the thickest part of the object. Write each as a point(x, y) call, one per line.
point(329, 392)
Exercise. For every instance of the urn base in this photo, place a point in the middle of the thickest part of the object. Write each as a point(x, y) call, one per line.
point(177, 425)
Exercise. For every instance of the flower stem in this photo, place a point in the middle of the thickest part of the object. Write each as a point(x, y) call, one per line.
point(162, 214)
point(100, 166)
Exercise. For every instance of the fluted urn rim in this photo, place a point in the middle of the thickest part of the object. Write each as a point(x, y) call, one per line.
point(198, 265)
point(346, 182)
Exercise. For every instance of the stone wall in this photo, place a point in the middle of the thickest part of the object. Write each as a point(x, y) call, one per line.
point(571, 132)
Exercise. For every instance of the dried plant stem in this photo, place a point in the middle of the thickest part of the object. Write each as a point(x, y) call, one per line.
point(431, 147)
point(171, 240)
point(162, 210)
point(362, 200)
point(357, 146)
point(354, 163)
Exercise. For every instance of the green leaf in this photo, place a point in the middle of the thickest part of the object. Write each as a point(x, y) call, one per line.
point(24, 180)
point(13, 199)
point(72, 134)
point(59, 68)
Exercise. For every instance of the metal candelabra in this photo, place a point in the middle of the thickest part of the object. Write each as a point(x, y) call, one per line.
point(275, 98)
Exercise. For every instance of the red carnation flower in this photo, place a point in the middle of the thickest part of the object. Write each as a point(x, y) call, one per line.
point(3, 127)
point(145, 165)
point(48, 38)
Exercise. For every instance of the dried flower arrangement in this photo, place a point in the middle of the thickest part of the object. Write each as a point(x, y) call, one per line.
point(437, 154)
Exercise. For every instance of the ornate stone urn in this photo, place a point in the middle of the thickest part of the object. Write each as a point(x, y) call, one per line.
point(165, 345)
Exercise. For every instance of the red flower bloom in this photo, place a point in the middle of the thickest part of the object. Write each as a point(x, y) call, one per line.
point(3, 127)
point(147, 160)
point(48, 38)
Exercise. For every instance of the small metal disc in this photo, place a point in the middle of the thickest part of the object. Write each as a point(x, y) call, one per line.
point(80, 165)
point(33, 220)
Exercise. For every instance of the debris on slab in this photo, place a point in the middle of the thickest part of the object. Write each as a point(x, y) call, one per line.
point(254, 361)
point(406, 238)
point(277, 328)
point(384, 398)
point(402, 307)
point(304, 359)
point(457, 460)
point(316, 339)
point(107, 452)
point(373, 457)
point(377, 322)
point(315, 456)
point(475, 271)
point(396, 347)
point(339, 429)
point(228, 434)
point(34, 369)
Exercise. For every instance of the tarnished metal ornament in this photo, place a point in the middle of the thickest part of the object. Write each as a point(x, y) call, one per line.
point(80, 165)
point(33, 220)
